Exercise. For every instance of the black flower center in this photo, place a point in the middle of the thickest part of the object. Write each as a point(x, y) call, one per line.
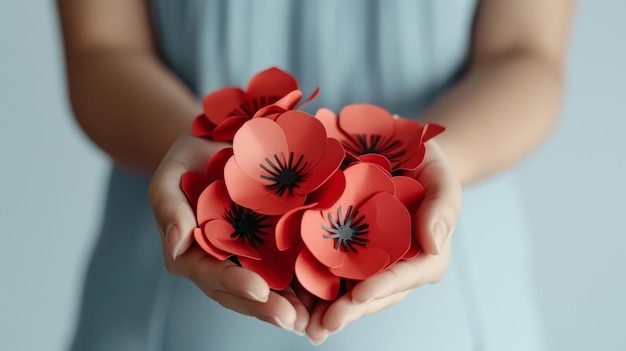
point(247, 225)
point(348, 231)
point(285, 175)
point(250, 107)
point(376, 144)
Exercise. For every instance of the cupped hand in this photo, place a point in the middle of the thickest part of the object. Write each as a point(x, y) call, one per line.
point(436, 216)
point(236, 288)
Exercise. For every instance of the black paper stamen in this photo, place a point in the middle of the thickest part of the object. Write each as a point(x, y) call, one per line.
point(348, 231)
point(248, 225)
point(249, 108)
point(285, 175)
point(376, 144)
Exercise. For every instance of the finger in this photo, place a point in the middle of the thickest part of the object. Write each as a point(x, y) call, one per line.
point(403, 276)
point(210, 274)
point(172, 212)
point(438, 213)
point(343, 311)
point(315, 330)
point(278, 310)
point(302, 313)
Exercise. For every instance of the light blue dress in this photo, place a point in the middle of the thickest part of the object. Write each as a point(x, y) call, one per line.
point(397, 54)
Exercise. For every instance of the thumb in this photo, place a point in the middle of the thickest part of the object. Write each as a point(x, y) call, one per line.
point(438, 213)
point(172, 212)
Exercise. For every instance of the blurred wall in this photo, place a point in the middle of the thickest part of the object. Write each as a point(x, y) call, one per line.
point(52, 183)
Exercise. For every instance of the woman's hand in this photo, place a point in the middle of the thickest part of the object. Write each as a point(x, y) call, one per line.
point(236, 288)
point(437, 217)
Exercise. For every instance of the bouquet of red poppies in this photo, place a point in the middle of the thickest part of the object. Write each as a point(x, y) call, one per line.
point(326, 199)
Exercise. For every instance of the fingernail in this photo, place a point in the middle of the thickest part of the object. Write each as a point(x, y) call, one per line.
point(318, 341)
point(338, 329)
point(282, 324)
point(300, 329)
point(252, 296)
point(172, 236)
point(440, 234)
point(367, 300)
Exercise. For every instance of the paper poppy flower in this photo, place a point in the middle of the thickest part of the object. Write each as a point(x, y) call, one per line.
point(365, 130)
point(230, 230)
point(364, 231)
point(276, 163)
point(225, 110)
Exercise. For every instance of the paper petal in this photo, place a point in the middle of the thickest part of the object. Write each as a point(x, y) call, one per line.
point(212, 202)
point(277, 205)
point(272, 82)
point(310, 98)
point(389, 225)
point(362, 264)
point(254, 195)
point(208, 247)
point(331, 124)
point(414, 161)
point(226, 130)
point(219, 104)
point(414, 250)
point(409, 191)
point(243, 190)
point(215, 166)
point(274, 268)
point(315, 277)
point(218, 233)
point(201, 127)
point(256, 142)
point(288, 228)
point(327, 194)
point(305, 135)
point(362, 181)
point(193, 184)
point(378, 160)
point(290, 100)
point(365, 119)
point(407, 131)
point(313, 237)
point(328, 164)
point(431, 130)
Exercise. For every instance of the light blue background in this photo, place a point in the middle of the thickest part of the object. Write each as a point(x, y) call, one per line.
point(52, 185)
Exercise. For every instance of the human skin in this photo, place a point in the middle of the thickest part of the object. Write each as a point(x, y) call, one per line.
point(136, 110)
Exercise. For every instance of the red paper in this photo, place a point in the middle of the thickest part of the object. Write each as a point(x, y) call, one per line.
point(365, 129)
point(325, 200)
point(277, 163)
point(363, 232)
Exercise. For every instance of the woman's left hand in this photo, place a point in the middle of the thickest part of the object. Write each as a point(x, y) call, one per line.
point(437, 217)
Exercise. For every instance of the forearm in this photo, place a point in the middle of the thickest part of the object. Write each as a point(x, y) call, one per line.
point(498, 113)
point(129, 104)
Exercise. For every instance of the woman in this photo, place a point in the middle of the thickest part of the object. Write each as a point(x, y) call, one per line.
point(491, 72)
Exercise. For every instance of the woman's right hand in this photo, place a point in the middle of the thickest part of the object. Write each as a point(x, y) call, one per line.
point(236, 288)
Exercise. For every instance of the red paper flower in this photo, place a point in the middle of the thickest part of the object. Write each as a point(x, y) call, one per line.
point(225, 110)
point(228, 229)
point(357, 228)
point(366, 130)
point(277, 163)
